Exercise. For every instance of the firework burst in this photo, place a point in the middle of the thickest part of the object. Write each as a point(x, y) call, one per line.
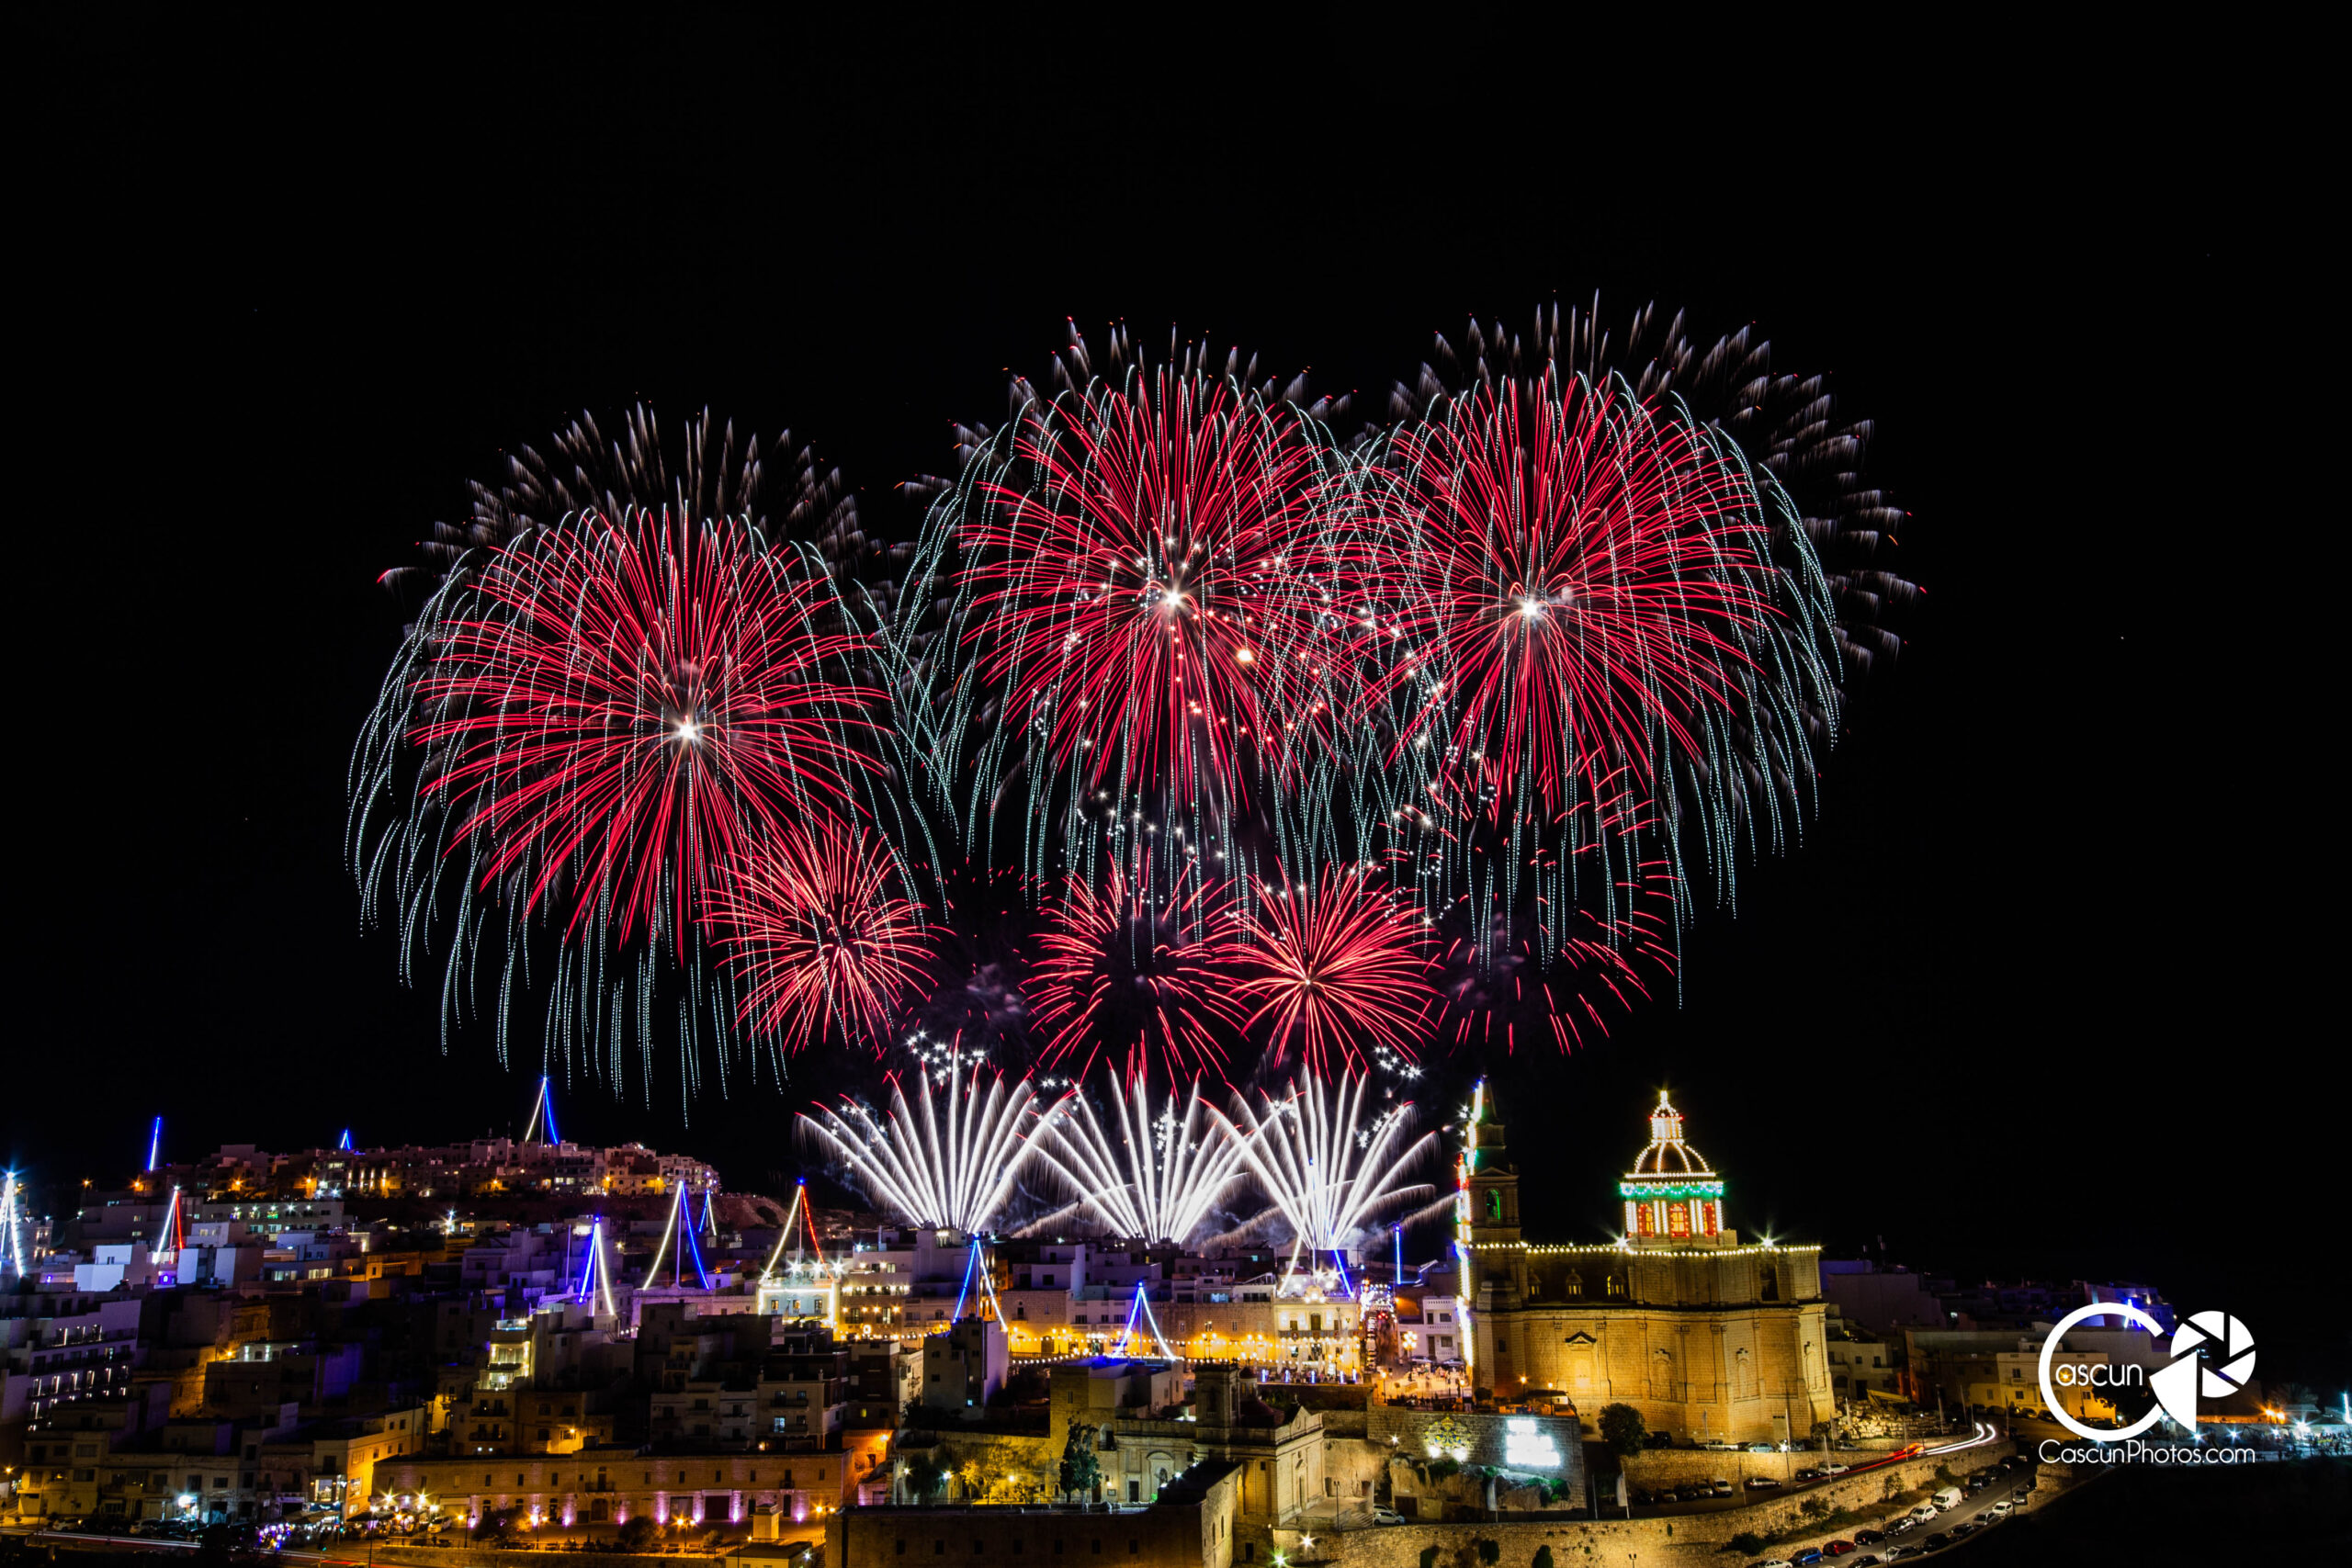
point(1338, 966)
point(1332, 1163)
point(607, 712)
point(950, 1162)
point(1587, 594)
point(1153, 1176)
point(1140, 603)
point(1127, 971)
point(813, 922)
point(1791, 425)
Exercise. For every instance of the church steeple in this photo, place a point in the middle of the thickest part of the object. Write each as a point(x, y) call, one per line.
point(1489, 1181)
point(1671, 1194)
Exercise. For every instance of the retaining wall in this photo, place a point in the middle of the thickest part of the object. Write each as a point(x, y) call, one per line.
point(1694, 1537)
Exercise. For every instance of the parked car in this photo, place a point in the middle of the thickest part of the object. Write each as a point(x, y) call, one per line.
point(1809, 1558)
point(1966, 1527)
point(1836, 1469)
point(1776, 1563)
point(1808, 1473)
point(1869, 1537)
point(1721, 1488)
point(1657, 1439)
point(1758, 1483)
point(1722, 1445)
point(1386, 1517)
point(1762, 1449)
point(1837, 1548)
point(1935, 1543)
point(2002, 1508)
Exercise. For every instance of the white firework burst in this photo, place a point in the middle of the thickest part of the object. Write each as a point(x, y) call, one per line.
point(951, 1165)
point(1152, 1177)
point(1334, 1164)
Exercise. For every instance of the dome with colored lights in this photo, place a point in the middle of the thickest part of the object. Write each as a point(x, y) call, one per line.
point(1667, 1153)
point(1673, 1193)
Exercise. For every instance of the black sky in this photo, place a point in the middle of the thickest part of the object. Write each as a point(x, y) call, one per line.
point(2017, 1004)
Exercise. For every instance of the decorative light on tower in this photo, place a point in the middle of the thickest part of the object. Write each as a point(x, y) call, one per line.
point(154, 1143)
point(542, 1114)
point(807, 1284)
point(595, 1275)
point(680, 1231)
point(1671, 1192)
point(12, 1247)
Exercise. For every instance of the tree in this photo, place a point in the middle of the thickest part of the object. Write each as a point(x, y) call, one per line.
point(638, 1532)
point(496, 1524)
point(1622, 1429)
point(1079, 1470)
point(1542, 1558)
point(924, 1477)
point(1490, 1552)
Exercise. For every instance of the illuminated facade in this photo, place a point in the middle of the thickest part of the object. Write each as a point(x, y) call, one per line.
point(1712, 1340)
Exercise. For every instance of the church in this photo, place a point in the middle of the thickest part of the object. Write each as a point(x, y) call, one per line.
point(1710, 1339)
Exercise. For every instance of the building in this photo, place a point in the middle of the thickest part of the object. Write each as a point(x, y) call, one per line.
point(964, 1366)
point(1190, 1523)
point(1709, 1337)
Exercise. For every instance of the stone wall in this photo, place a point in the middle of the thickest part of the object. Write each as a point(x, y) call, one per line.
point(1672, 1467)
point(1695, 1537)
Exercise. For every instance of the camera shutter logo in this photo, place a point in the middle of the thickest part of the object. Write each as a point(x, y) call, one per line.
point(2177, 1383)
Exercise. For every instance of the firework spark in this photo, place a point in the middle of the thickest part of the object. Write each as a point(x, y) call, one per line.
point(1337, 967)
point(814, 923)
point(1155, 1177)
point(1129, 971)
point(1331, 1163)
point(952, 1165)
point(706, 473)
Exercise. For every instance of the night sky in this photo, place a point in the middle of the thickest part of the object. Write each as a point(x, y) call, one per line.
point(2028, 1000)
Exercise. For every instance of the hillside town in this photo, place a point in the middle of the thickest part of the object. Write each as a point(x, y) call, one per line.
point(529, 1343)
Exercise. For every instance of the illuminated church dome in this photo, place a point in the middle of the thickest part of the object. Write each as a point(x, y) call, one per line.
point(1673, 1193)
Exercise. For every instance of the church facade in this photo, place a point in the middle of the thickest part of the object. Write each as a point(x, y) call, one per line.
point(1712, 1340)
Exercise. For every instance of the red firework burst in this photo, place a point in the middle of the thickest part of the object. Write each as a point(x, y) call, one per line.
point(1582, 585)
point(1340, 966)
point(1145, 601)
point(813, 922)
point(1570, 981)
point(619, 705)
point(1128, 969)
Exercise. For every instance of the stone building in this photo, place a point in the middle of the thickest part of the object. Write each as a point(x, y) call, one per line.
point(1190, 1522)
point(1710, 1338)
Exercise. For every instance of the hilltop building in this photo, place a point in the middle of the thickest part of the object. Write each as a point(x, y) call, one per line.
point(1710, 1339)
